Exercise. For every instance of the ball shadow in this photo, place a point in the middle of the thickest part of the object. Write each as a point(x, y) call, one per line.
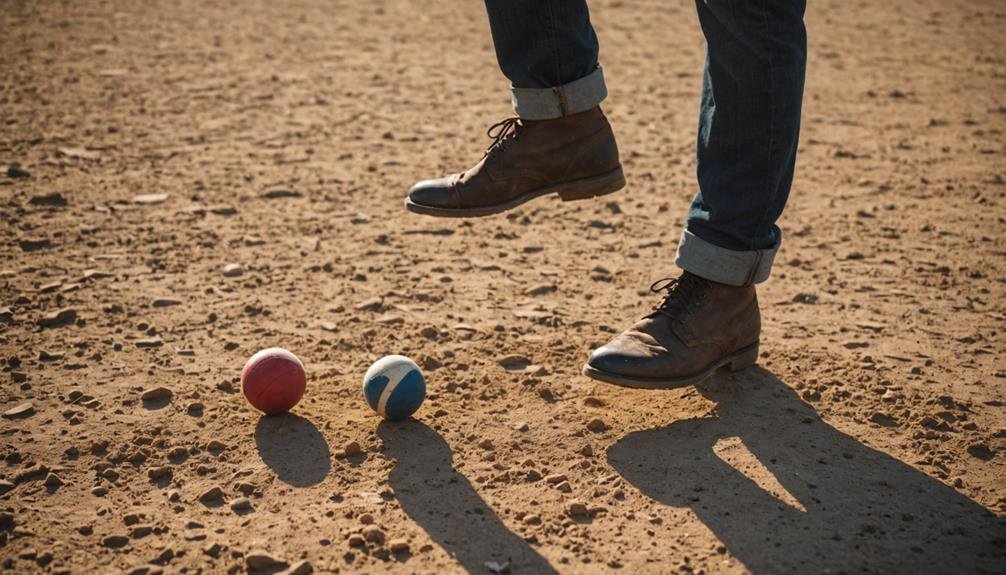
point(862, 510)
point(293, 448)
point(443, 502)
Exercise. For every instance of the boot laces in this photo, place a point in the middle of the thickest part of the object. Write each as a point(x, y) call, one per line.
point(501, 132)
point(680, 294)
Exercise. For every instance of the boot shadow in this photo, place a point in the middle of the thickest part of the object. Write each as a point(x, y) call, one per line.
point(444, 503)
point(856, 509)
point(293, 448)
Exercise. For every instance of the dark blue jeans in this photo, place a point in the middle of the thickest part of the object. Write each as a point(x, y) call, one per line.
point(749, 117)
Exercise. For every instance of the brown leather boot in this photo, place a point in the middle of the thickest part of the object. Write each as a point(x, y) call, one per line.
point(699, 327)
point(573, 156)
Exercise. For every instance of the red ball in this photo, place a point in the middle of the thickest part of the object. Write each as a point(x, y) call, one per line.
point(273, 380)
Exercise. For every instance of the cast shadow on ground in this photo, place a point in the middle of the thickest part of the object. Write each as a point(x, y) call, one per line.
point(443, 502)
point(864, 511)
point(293, 448)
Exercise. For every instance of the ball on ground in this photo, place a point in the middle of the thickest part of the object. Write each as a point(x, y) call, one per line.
point(394, 387)
point(273, 380)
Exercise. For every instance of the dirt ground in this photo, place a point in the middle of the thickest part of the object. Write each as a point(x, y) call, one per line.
point(161, 142)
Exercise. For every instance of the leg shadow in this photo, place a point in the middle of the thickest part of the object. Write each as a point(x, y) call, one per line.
point(851, 508)
point(293, 448)
point(443, 502)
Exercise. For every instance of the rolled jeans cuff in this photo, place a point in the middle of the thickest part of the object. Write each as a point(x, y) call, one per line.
point(731, 267)
point(549, 103)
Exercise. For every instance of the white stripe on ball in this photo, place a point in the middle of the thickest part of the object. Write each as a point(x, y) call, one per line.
point(395, 375)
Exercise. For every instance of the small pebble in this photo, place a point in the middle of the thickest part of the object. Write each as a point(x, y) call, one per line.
point(212, 494)
point(352, 449)
point(260, 561)
point(115, 541)
point(150, 199)
point(541, 289)
point(216, 445)
point(356, 540)
point(16, 172)
point(50, 355)
point(34, 244)
point(52, 481)
point(372, 304)
point(577, 509)
point(302, 567)
point(241, 504)
point(514, 363)
point(92, 274)
point(58, 318)
point(245, 487)
point(212, 549)
point(157, 394)
point(233, 270)
point(149, 342)
point(158, 473)
point(26, 409)
point(374, 534)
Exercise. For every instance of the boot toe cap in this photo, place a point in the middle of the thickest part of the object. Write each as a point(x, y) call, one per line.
point(427, 192)
point(624, 356)
point(607, 359)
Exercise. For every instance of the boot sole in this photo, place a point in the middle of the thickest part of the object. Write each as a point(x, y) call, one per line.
point(568, 191)
point(736, 361)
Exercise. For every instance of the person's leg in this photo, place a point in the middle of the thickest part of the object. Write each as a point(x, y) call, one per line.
point(548, 50)
point(560, 143)
point(748, 128)
point(749, 124)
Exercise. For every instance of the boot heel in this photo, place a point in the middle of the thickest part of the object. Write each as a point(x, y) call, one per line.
point(593, 187)
point(746, 358)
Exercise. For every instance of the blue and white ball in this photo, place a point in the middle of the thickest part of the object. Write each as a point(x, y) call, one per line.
point(394, 387)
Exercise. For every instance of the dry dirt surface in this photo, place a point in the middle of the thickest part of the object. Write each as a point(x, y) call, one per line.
point(199, 180)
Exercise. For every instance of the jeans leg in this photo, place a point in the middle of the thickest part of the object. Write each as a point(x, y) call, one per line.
point(749, 125)
point(548, 51)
